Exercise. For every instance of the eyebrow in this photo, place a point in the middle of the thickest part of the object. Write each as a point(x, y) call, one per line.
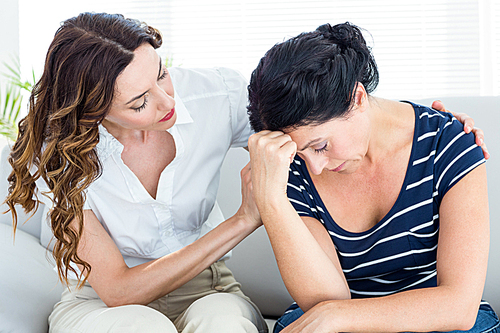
point(137, 97)
point(159, 71)
point(144, 93)
point(310, 143)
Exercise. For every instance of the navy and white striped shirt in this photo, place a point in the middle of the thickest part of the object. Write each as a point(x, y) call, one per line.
point(399, 252)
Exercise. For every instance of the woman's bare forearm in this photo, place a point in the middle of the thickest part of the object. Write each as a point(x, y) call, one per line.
point(309, 272)
point(422, 310)
point(117, 284)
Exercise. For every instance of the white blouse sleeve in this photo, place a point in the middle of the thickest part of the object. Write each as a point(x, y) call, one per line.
point(236, 86)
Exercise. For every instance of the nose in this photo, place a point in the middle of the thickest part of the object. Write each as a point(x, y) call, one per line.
point(317, 164)
point(165, 102)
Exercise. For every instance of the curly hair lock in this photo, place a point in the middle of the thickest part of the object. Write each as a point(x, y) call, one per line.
point(57, 139)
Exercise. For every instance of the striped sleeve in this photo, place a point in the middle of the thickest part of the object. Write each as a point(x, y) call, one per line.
point(456, 155)
point(297, 194)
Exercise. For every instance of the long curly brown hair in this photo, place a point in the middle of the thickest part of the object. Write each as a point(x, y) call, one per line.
point(59, 135)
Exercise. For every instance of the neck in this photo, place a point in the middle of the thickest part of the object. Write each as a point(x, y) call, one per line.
point(124, 135)
point(392, 126)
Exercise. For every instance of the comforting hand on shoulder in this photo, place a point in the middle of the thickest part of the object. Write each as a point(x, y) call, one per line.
point(468, 126)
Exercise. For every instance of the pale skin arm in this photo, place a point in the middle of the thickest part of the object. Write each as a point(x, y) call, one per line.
point(306, 258)
point(453, 304)
point(117, 284)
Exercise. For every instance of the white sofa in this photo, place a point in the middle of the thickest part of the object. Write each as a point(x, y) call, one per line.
point(29, 286)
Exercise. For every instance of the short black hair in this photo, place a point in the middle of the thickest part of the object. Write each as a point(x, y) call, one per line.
point(310, 78)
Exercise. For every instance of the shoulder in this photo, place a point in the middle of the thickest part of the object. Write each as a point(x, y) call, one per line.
point(428, 119)
point(215, 98)
point(439, 129)
point(441, 141)
point(301, 192)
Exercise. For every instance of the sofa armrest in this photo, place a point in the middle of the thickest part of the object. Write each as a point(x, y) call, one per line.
point(29, 286)
point(26, 222)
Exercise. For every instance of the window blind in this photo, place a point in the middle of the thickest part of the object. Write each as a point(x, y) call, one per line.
point(433, 48)
point(424, 49)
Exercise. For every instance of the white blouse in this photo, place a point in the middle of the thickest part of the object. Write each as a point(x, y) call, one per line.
point(211, 118)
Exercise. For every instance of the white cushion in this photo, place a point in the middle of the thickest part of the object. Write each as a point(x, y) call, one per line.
point(29, 285)
point(31, 226)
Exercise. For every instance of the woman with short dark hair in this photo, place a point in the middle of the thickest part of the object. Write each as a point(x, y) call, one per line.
point(377, 210)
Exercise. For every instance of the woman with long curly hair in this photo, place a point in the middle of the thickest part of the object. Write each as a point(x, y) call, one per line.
point(377, 210)
point(125, 155)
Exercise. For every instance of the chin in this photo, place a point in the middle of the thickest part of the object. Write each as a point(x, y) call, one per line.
point(169, 123)
point(350, 168)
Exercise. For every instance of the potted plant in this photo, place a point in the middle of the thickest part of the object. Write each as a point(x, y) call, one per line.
point(11, 100)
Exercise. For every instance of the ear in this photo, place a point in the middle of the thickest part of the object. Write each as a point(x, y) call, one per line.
point(360, 96)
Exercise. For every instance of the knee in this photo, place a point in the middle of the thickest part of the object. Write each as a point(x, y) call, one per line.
point(134, 318)
point(223, 304)
point(212, 313)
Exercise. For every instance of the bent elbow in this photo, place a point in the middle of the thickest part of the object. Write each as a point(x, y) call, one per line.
point(467, 321)
point(113, 301)
point(465, 317)
point(312, 300)
point(464, 325)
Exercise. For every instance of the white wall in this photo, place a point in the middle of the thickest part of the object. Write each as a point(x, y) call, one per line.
point(9, 33)
point(39, 21)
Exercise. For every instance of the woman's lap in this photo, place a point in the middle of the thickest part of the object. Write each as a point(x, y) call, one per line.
point(205, 304)
point(486, 322)
point(94, 316)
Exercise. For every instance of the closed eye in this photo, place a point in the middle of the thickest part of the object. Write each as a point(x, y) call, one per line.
point(322, 149)
point(140, 108)
point(163, 75)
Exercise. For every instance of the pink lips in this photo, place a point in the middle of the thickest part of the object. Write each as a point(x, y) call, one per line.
point(168, 116)
point(338, 168)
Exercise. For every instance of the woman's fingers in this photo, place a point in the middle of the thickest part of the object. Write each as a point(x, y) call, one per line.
point(266, 138)
point(438, 105)
point(272, 146)
point(464, 119)
point(468, 123)
point(479, 134)
point(461, 117)
point(270, 154)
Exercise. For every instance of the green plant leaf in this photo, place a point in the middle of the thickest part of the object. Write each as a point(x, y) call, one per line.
point(14, 75)
point(8, 130)
point(11, 98)
point(10, 108)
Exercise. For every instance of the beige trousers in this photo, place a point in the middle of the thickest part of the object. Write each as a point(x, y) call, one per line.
point(211, 302)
